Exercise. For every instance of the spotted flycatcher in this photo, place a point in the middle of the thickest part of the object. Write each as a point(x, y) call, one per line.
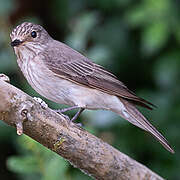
point(65, 76)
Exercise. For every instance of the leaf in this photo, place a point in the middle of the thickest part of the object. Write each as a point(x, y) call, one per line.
point(154, 37)
point(166, 71)
point(6, 7)
point(99, 53)
point(26, 164)
point(136, 16)
point(176, 30)
point(78, 38)
point(149, 11)
point(55, 169)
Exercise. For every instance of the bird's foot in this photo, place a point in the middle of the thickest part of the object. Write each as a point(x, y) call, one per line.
point(65, 116)
point(74, 117)
point(41, 102)
point(4, 78)
point(79, 124)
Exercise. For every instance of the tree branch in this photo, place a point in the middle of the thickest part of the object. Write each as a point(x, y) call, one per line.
point(80, 148)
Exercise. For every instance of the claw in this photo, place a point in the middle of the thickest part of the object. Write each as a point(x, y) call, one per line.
point(41, 102)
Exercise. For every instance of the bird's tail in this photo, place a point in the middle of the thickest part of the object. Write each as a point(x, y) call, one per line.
point(130, 113)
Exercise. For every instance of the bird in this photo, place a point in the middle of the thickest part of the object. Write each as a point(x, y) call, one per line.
point(65, 76)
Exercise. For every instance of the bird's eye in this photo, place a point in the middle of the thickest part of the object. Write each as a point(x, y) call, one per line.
point(34, 34)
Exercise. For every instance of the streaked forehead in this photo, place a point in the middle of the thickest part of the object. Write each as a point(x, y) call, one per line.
point(24, 29)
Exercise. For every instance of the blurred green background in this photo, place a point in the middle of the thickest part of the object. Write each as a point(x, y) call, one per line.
point(137, 40)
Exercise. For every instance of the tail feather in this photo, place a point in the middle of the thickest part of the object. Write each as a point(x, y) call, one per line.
point(131, 114)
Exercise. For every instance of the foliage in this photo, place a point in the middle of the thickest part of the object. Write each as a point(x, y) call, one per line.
point(38, 162)
point(136, 40)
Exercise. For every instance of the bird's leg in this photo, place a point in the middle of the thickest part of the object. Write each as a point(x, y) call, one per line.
point(71, 108)
point(77, 114)
point(66, 109)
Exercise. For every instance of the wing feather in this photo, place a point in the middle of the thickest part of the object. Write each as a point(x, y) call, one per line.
point(77, 68)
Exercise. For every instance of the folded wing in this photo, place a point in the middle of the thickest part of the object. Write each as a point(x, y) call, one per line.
point(81, 70)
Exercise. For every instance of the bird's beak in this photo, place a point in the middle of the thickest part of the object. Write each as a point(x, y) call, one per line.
point(16, 42)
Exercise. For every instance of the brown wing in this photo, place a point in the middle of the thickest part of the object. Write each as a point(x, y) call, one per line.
point(78, 69)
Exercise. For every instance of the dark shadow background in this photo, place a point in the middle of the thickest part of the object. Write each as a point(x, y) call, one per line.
point(136, 40)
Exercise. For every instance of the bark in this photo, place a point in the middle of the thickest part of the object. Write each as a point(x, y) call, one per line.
point(82, 149)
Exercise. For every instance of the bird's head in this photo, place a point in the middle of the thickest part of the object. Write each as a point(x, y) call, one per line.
point(28, 33)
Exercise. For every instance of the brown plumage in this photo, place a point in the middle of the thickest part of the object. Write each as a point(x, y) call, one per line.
point(65, 76)
point(83, 71)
